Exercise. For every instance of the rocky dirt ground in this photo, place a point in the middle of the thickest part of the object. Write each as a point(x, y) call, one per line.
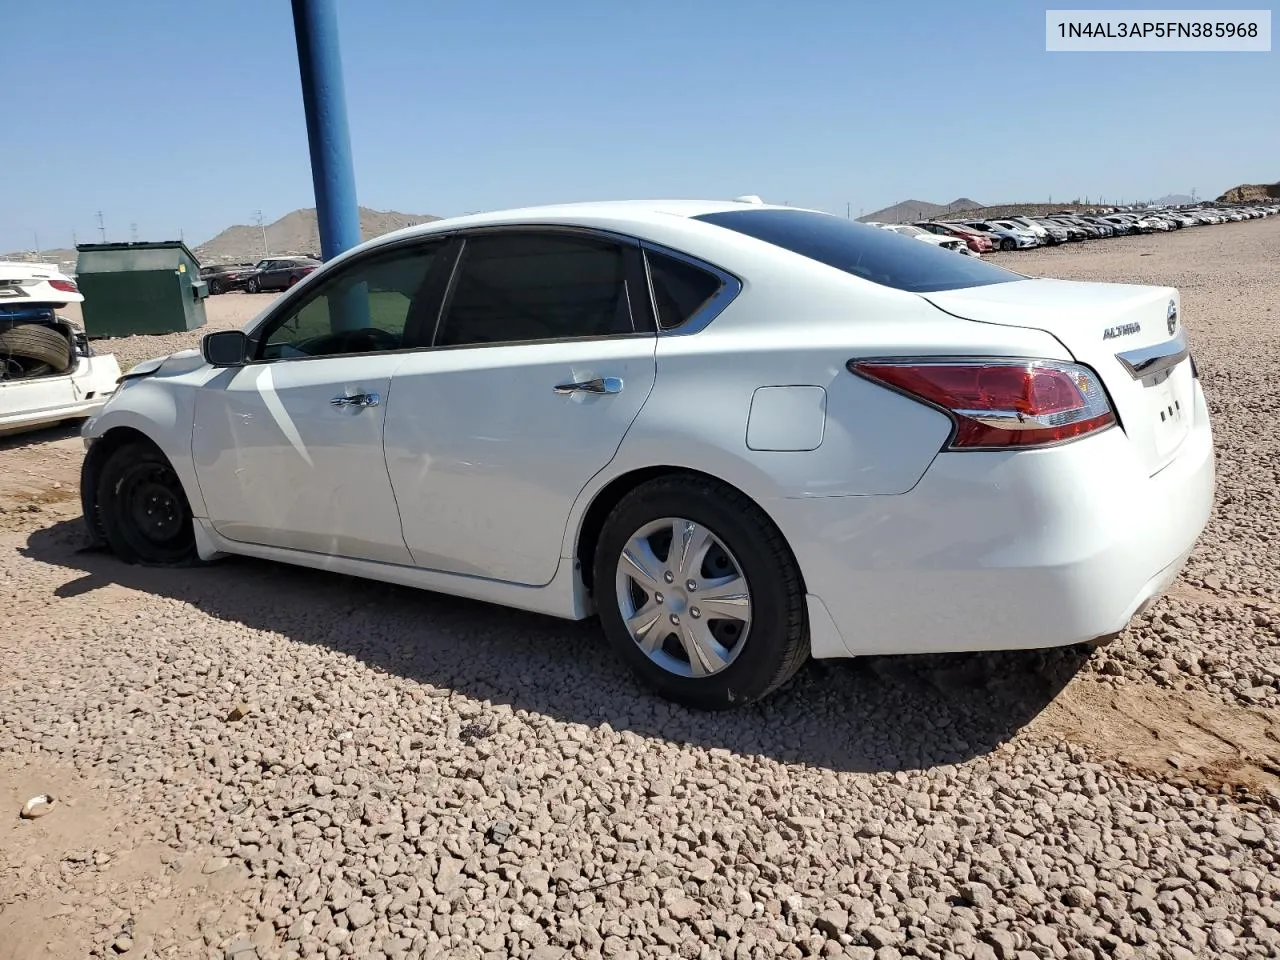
point(251, 760)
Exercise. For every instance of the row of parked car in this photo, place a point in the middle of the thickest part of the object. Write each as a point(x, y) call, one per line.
point(275, 273)
point(976, 237)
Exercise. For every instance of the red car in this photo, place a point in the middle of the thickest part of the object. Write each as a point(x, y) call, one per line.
point(977, 242)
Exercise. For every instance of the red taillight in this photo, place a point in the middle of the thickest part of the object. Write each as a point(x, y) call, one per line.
point(997, 404)
point(66, 286)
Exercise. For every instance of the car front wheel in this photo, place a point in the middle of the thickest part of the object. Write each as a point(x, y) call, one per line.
point(699, 593)
point(143, 510)
point(253, 286)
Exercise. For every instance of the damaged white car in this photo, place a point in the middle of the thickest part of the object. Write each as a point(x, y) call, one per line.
point(48, 370)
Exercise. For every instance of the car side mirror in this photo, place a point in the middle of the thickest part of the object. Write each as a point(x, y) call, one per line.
point(225, 348)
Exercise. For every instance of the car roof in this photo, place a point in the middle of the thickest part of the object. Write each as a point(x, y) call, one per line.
point(585, 213)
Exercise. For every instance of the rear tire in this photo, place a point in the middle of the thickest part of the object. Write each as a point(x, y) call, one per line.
point(143, 511)
point(743, 570)
point(215, 288)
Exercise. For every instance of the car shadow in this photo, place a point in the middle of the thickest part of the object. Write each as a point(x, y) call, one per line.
point(65, 430)
point(874, 714)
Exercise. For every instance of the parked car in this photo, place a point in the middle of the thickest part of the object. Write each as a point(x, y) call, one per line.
point(1040, 234)
point(49, 372)
point(954, 244)
point(223, 277)
point(1075, 231)
point(279, 273)
point(1037, 229)
point(1006, 238)
point(976, 241)
point(1117, 225)
point(918, 440)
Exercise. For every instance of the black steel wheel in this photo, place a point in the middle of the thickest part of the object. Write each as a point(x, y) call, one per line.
point(143, 508)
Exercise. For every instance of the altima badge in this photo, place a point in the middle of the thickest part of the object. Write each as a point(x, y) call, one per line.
point(1124, 330)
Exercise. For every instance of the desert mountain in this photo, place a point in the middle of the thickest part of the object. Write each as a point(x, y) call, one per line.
point(1251, 193)
point(909, 210)
point(295, 233)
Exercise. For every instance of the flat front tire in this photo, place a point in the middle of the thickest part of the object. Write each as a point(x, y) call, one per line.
point(143, 510)
point(699, 594)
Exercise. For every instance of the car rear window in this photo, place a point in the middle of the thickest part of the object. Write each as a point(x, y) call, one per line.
point(881, 256)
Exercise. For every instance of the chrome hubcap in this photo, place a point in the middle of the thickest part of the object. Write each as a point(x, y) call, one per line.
point(683, 597)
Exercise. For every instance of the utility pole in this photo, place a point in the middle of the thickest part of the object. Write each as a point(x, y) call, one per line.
point(848, 210)
point(133, 233)
point(37, 243)
point(75, 241)
point(102, 229)
point(258, 219)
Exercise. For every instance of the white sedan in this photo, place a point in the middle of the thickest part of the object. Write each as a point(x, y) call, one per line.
point(954, 244)
point(742, 434)
point(49, 372)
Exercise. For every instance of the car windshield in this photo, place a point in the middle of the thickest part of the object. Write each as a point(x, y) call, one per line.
point(880, 256)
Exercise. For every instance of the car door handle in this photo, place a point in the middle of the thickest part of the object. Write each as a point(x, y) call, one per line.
point(598, 385)
point(359, 400)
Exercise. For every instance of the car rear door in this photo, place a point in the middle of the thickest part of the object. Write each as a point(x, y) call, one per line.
point(543, 356)
point(288, 448)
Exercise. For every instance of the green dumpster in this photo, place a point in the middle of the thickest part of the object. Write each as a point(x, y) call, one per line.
point(132, 288)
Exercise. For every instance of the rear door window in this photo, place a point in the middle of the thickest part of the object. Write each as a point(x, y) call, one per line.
point(680, 289)
point(523, 287)
point(880, 256)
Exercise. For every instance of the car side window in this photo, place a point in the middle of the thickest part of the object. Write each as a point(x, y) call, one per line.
point(364, 308)
point(679, 288)
point(527, 286)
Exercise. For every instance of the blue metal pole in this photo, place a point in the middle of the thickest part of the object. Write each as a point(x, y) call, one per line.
point(315, 25)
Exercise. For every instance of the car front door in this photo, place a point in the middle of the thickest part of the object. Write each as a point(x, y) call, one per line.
point(271, 277)
point(543, 356)
point(288, 447)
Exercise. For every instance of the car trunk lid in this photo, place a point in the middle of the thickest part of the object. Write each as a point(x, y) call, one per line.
point(1130, 334)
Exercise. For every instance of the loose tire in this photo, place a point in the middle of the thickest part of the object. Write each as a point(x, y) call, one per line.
point(33, 341)
point(143, 510)
point(699, 593)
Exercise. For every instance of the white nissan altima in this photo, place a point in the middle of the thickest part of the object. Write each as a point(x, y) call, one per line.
point(742, 434)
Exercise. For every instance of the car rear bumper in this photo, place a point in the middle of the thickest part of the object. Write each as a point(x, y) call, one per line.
point(41, 401)
point(995, 551)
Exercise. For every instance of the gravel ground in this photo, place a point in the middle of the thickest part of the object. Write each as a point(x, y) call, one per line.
point(251, 760)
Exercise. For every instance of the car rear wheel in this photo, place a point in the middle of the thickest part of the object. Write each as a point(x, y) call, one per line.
point(699, 593)
point(143, 510)
point(215, 288)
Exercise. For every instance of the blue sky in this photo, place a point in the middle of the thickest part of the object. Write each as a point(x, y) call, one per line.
point(189, 116)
